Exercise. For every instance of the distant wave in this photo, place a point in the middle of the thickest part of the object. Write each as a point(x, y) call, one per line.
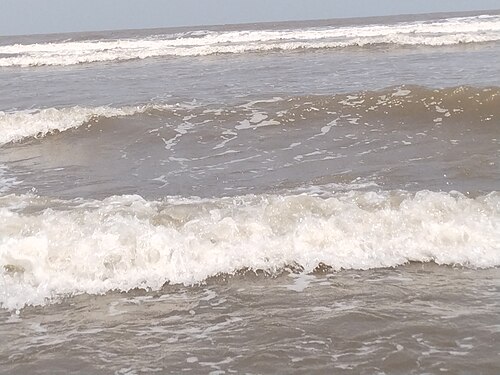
point(441, 32)
point(411, 103)
point(126, 242)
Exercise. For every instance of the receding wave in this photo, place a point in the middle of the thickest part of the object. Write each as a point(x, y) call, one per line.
point(477, 29)
point(408, 103)
point(51, 248)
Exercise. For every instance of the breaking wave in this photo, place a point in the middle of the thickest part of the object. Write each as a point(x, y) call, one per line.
point(411, 103)
point(476, 29)
point(16, 126)
point(52, 248)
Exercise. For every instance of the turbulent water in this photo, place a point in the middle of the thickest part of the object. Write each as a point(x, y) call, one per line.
point(472, 29)
point(299, 197)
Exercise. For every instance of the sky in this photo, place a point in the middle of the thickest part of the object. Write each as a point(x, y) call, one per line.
point(18, 17)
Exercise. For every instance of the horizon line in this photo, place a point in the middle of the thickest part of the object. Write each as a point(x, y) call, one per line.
point(291, 21)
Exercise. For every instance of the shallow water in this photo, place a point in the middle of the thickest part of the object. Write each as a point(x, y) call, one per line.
point(415, 319)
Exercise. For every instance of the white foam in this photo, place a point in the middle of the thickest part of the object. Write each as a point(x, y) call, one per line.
point(126, 242)
point(15, 126)
point(438, 32)
point(401, 92)
point(257, 120)
point(6, 183)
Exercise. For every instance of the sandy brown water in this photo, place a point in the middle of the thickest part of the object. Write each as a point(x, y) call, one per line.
point(415, 319)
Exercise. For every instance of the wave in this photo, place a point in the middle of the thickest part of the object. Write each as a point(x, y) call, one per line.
point(52, 248)
point(37, 123)
point(450, 31)
point(408, 103)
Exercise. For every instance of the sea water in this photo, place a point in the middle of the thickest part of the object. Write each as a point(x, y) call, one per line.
point(304, 197)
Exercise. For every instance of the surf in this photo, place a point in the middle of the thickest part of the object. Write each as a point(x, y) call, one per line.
point(441, 32)
point(51, 248)
point(409, 104)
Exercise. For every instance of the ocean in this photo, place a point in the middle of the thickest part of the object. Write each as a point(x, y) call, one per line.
point(299, 197)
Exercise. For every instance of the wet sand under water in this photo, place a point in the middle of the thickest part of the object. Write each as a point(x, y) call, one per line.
point(415, 319)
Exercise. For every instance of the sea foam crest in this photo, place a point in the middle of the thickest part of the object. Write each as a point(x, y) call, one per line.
point(15, 126)
point(126, 242)
point(434, 33)
point(453, 102)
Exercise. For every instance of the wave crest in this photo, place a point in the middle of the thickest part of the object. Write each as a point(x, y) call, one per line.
point(50, 248)
point(16, 126)
point(420, 103)
point(476, 29)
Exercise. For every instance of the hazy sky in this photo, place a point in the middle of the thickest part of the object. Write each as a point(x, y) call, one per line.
point(46, 16)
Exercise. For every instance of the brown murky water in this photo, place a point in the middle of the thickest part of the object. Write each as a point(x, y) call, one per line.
point(415, 319)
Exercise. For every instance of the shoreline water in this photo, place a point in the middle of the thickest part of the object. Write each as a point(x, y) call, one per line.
point(344, 321)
